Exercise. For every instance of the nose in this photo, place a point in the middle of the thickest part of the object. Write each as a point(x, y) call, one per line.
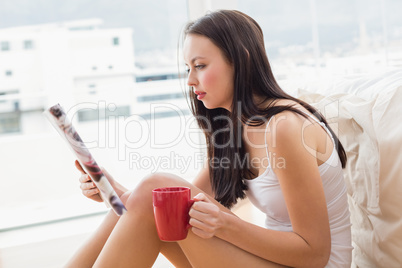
point(191, 79)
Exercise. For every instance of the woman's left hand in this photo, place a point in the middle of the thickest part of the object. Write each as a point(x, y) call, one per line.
point(205, 217)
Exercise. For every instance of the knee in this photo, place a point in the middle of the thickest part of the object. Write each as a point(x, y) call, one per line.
point(124, 197)
point(157, 180)
point(142, 194)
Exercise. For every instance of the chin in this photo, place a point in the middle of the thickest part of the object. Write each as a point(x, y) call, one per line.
point(210, 107)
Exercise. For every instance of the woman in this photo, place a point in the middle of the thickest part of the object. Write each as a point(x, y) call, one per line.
point(279, 152)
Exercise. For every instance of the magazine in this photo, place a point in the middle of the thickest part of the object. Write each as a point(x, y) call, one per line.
point(62, 124)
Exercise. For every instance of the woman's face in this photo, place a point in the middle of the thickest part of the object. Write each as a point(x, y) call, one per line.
point(209, 74)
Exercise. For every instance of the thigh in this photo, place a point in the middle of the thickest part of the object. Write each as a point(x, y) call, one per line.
point(215, 252)
point(173, 252)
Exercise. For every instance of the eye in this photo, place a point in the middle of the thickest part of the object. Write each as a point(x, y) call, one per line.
point(198, 67)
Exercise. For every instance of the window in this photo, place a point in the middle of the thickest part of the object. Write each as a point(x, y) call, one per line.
point(160, 97)
point(10, 116)
point(149, 78)
point(108, 44)
point(4, 46)
point(159, 115)
point(306, 38)
point(102, 114)
point(10, 122)
point(28, 44)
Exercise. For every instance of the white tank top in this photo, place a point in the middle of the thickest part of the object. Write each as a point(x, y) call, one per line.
point(265, 193)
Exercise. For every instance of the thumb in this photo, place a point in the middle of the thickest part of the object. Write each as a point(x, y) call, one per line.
point(201, 197)
point(79, 167)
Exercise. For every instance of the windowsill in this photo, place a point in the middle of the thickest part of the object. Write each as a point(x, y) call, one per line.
point(51, 244)
point(36, 233)
point(41, 214)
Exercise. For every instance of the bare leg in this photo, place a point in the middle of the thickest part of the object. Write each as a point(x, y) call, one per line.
point(89, 252)
point(134, 241)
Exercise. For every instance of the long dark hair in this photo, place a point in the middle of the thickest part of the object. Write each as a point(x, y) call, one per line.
point(241, 40)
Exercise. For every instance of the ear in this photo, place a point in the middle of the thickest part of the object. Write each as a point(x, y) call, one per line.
point(248, 56)
point(248, 53)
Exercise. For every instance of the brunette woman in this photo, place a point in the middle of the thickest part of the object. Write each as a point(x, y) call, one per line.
point(278, 151)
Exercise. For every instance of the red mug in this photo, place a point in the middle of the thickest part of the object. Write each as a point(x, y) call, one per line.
point(171, 207)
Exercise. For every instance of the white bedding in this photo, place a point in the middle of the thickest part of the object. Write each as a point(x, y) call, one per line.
point(366, 113)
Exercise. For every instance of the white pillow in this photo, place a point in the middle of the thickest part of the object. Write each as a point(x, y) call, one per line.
point(369, 128)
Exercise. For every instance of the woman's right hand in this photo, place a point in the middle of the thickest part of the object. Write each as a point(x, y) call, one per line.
point(89, 188)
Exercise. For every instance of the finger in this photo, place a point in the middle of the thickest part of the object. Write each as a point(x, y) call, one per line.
point(196, 214)
point(208, 219)
point(88, 186)
point(85, 178)
point(205, 207)
point(202, 197)
point(200, 227)
point(201, 233)
point(90, 192)
point(79, 167)
point(198, 224)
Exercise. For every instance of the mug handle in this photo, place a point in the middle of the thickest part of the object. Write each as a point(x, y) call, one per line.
point(190, 204)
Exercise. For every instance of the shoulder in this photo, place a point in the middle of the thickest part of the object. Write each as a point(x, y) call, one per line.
point(287, 125)
point(284, 128)
point(287, 119)
point(291, 136)
point(286, 122)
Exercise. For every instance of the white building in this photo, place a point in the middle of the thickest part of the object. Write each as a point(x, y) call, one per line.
point(69, 62)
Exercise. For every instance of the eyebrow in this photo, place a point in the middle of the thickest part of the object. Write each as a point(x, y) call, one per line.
point(196, 58)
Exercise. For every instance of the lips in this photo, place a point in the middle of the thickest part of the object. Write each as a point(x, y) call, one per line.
point(200, 94)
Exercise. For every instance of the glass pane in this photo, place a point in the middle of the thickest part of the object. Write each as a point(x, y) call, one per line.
point(310, 39)
point(5, 46)
point(110, 66)
point(28, 44)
